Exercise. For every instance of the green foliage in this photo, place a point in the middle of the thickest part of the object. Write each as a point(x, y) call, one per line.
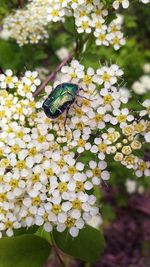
point(25, 231)
point(42, 233)
point(85, 157)
point(23, 251)
point(18, 58)
point(108, 213)
point(87, 246)
point(6, 6)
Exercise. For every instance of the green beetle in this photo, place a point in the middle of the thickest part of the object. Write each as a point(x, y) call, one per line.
point(60, 99)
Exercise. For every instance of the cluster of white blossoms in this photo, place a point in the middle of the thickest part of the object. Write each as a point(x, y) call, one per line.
point(48, 172)
point(132, 187)
point(125, 3)
point(27, 25)
point(142, 86)
point(30, 25)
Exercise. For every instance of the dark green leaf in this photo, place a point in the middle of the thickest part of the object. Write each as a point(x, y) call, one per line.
point(87, 246)
point(85, 157)
point(69, 26)
point(23, 251)
point(42, 233)
point(24, 231)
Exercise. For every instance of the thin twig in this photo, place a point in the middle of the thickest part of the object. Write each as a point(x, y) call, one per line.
point(52, 75)
point(20, 3)
point(57, 252)
point(1, 71)
point(58, 256)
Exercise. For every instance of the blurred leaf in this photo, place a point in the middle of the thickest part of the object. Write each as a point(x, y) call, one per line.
point(23, 251)
point(42, 233)
point(69, 25)
point(25, 231)
point(85, 157)
point(87, 246)
point(90, 59)
point(108, 213)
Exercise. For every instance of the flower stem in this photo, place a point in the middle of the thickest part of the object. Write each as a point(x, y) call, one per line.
point(62, 264)
point(1, 70)
point(20, 3)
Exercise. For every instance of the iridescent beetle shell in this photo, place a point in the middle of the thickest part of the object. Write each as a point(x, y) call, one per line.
point(60, 99)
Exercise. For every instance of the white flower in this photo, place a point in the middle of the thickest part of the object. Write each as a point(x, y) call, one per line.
point(131, 186)
point(7, 80)
point(96, 221)
point(147, 137)
point(146, 68)
point(146, 111)
point(125, 4)
point(62, 53)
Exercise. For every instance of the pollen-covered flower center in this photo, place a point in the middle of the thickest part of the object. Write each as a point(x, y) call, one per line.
point(142, 166)
point(14, 183)
point(62, 187)
point(32, 151)
point(36, 201)
point(35, 177)
point(84, 25)
point(56, 209)
point(101, 37)
point(21, 164)
point(79, 186)
point(108, 99)
point(70, 222)
point(71, 170)
point(122, 118)
point(87, 79)
point(76, 204)
point(2, 197)
point(102, 147)
point(8, 79)
point(49, 172)
point(96, 172)
point(81, 142)
point(106, 77)
point(41, 139)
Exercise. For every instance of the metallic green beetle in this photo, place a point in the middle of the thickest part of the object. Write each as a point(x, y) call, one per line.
point(60, 99)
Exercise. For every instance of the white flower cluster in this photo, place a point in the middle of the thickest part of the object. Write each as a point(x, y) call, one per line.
point(125, 3)
point(132, 187)
point(48, 171)
point(142, 86)
point(29, 25)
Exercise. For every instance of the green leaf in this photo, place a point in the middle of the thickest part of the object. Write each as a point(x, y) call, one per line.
point(90, 59)
point(69, 26)
point(42, 233)
point(85, 157)
point(108, 213)
point(23, 251)
point(24, 231)
point(87, 246)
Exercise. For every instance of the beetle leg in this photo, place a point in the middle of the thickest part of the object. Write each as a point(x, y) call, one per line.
point(81, 89)
point(83, 97)
point(67, 111)
point(86, 98)
point(78, 104)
